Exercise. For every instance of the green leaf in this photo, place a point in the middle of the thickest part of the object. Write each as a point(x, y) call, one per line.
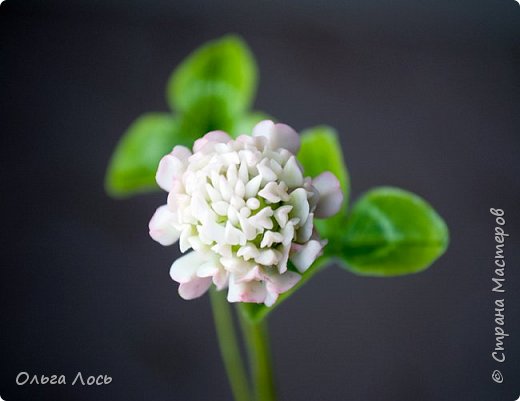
point(137, 155)
point(245, 124)
point(392, 232)
point(258, 312)
point(321, 151)
point(208, 114)
point(218, 79)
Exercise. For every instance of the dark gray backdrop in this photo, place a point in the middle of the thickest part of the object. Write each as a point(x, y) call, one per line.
point(425, 96)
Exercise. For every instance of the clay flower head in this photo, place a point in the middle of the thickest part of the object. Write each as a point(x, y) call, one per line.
point(244, 208)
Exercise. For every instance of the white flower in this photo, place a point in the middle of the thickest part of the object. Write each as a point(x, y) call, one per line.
point(244, 208)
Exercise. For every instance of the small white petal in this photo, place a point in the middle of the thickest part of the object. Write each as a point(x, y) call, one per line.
point(243, 173)
point(184, 240)
point(248, 252)
point(253, 291)
point(220, 207)
point(237, 203)
point(194, 288)
point(214, 137)
point(253, 186)
point(230, 158)
point(222, 249)
point(185, 267)
point(210, 231)
point(233, 216)
point(303, 256)
point(251, 274)
point(275, 167)
point(245, 212)
point(172, 166)
point(233, 235)
point(278, 135)
point(247, 228)
point(220, 279)
point(232, 175)
point(208, 269)
point(265, 172)
point(269, 238)
point(300, 205)
point(253, 203)
point(292, 173)
point(240, 189)
point(288, 233)
point(225, 189)
point(331, 195)
point(282, 263)
point(200, 208)
point(282, 215)
point(214, 177)
point(177, 201)
point(270, 193)
point(279, 283)
point(270, 298)
point(162, 227)
point(268, 257)
point(213, 194)
point(236, 265)
point(274, 192)
point(248, 158)
point(262, 220)
point(305, 232)
point(195, 243)
point(244, 139)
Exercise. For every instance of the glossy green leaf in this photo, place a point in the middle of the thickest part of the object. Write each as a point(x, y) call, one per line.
point(392, 232)
point(218, 79)
point(257, 312)
point(137, 155)
point(321, 151)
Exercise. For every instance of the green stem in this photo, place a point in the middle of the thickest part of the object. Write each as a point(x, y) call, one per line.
point(257, 342)
point(228, 344)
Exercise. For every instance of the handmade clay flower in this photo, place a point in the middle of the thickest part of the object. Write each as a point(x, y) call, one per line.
point(244, 208)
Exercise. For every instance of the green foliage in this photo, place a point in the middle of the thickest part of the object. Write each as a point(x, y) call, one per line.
point(321, 151)
point(134, 162)
point(392, 232)
point(216, 83)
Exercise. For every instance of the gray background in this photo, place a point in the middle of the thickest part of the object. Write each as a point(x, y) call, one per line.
point(425, 96)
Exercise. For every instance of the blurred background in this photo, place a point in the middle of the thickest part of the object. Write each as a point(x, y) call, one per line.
point(425, 96)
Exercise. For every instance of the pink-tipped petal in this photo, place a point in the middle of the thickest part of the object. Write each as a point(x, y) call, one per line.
point(161, 226)
point(213, 136)
point(194, 288)
point(279, 283)
point(270, 298)
point(220, 279)
point(303, 256)
point(172, 166)
point(278, 135)
point(181, 153)
point(331, 195)
point(252, 291)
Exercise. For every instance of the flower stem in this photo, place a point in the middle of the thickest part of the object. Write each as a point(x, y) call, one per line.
point(229, 348)
point(257, 343)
